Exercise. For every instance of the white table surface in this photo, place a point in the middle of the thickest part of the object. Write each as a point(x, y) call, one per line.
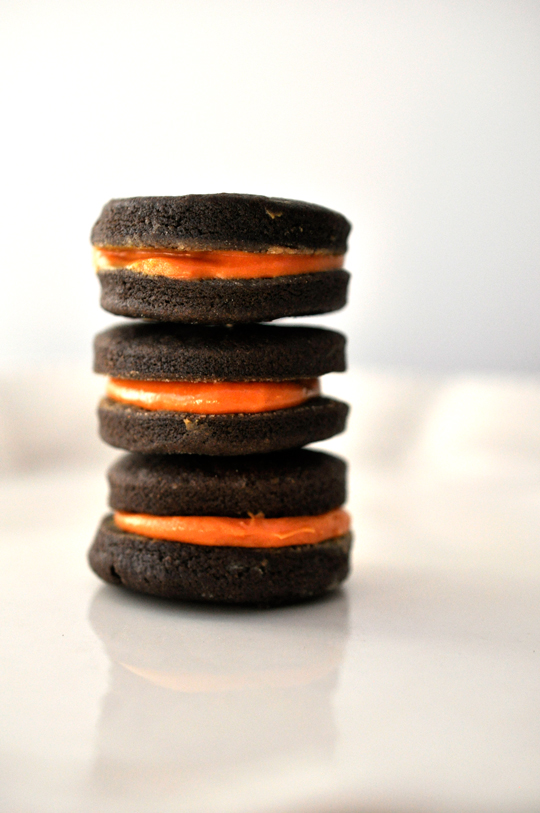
point(414, 688)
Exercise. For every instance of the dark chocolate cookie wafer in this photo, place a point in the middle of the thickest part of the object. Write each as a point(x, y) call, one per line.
point(156, 352)
point(222, 301)
point(282, 484)
point(166, 432)
point(219, 574)
point(224, 221)
point(139, 243)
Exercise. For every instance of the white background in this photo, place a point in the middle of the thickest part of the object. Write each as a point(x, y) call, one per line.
point(419, 120)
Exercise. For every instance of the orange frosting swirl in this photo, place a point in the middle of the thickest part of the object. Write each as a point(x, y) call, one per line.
point(255, 532)
point(213, 264)
point(213, 397)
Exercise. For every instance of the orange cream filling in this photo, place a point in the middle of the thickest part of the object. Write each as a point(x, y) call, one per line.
point(255, 532)
point(213, 397)
point(213, 264)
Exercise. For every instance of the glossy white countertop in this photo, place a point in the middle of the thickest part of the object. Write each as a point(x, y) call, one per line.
point(414, 688)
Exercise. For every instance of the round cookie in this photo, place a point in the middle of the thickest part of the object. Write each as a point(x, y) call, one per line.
point(155, 352)
point(168, 352)
point(224, 223)
point(229, 575)
point(280, 484)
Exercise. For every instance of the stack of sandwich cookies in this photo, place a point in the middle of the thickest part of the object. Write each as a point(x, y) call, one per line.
point(210, 506)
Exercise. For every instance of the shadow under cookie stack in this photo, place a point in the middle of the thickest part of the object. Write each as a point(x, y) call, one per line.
point(217, 499)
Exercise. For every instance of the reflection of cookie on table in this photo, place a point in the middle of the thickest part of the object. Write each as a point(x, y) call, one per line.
point(190, 649)
point(219, 259)
point(217, 390)
point(213, 688)
point(261, 529)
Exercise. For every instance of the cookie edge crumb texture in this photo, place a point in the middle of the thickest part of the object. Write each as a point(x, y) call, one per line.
point(154, 351)
point(222, 301)
point(163, 432)
point(224, 221)
point(298, 482)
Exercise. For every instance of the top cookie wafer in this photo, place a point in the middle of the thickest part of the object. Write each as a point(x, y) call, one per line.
point(220, 259)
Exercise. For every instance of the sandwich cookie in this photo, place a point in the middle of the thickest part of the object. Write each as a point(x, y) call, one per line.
point(219, 259)
point(246, 389)
point(265, 529)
